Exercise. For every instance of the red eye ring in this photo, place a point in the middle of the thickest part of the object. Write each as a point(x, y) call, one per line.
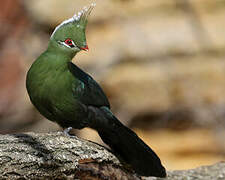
point(69, 42)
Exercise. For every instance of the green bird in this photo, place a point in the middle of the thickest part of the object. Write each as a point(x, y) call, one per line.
point(65, 94)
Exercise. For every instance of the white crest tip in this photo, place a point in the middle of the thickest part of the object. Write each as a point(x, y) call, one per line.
point(84, 13)
point(85, 8)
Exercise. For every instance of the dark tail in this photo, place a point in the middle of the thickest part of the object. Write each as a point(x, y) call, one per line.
point(127, 144)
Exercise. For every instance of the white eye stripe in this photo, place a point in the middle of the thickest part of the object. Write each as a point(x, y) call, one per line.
point(63, 43)
point(74, 44)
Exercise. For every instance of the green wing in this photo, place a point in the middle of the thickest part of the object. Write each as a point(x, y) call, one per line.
point(86, 89)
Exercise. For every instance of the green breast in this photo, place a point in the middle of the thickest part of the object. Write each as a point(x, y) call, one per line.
point(49, 84)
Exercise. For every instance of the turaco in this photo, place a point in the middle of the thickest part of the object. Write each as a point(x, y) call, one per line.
point(65, 94)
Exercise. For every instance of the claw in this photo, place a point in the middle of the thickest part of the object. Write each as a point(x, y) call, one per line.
point(67, 130)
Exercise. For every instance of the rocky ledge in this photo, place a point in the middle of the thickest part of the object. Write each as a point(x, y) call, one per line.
point(212, 172)
point(57, 156)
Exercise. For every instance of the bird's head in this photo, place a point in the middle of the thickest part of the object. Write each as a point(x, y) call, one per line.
point(69, 37)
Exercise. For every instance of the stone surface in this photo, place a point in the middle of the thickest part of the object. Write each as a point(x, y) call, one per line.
point(57, 156)
point(215, 172)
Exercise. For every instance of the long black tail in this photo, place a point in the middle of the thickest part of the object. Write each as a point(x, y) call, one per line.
point(127, 144)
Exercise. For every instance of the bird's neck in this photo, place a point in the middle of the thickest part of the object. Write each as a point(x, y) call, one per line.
point(52, 60)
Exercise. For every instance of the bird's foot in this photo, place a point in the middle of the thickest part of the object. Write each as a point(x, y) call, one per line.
point(67, 132)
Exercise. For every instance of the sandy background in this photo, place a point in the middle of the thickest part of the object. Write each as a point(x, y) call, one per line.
point(161, 63)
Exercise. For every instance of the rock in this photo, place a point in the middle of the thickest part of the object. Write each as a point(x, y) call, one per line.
point(56, 156)
point(215, 172)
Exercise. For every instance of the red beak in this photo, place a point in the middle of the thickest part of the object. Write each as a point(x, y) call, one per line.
point(85, 48)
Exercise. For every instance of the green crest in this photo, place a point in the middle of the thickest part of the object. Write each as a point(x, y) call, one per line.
point(71, 32)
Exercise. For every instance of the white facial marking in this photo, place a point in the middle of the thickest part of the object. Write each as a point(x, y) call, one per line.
point(63, 43)
point(63, 23)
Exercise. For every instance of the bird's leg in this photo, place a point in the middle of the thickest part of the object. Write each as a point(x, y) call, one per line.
point(67, 130)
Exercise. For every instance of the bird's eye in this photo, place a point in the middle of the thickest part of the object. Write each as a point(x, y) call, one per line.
point(69, 42)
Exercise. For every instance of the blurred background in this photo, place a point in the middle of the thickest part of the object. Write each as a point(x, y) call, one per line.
point(161, 63)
